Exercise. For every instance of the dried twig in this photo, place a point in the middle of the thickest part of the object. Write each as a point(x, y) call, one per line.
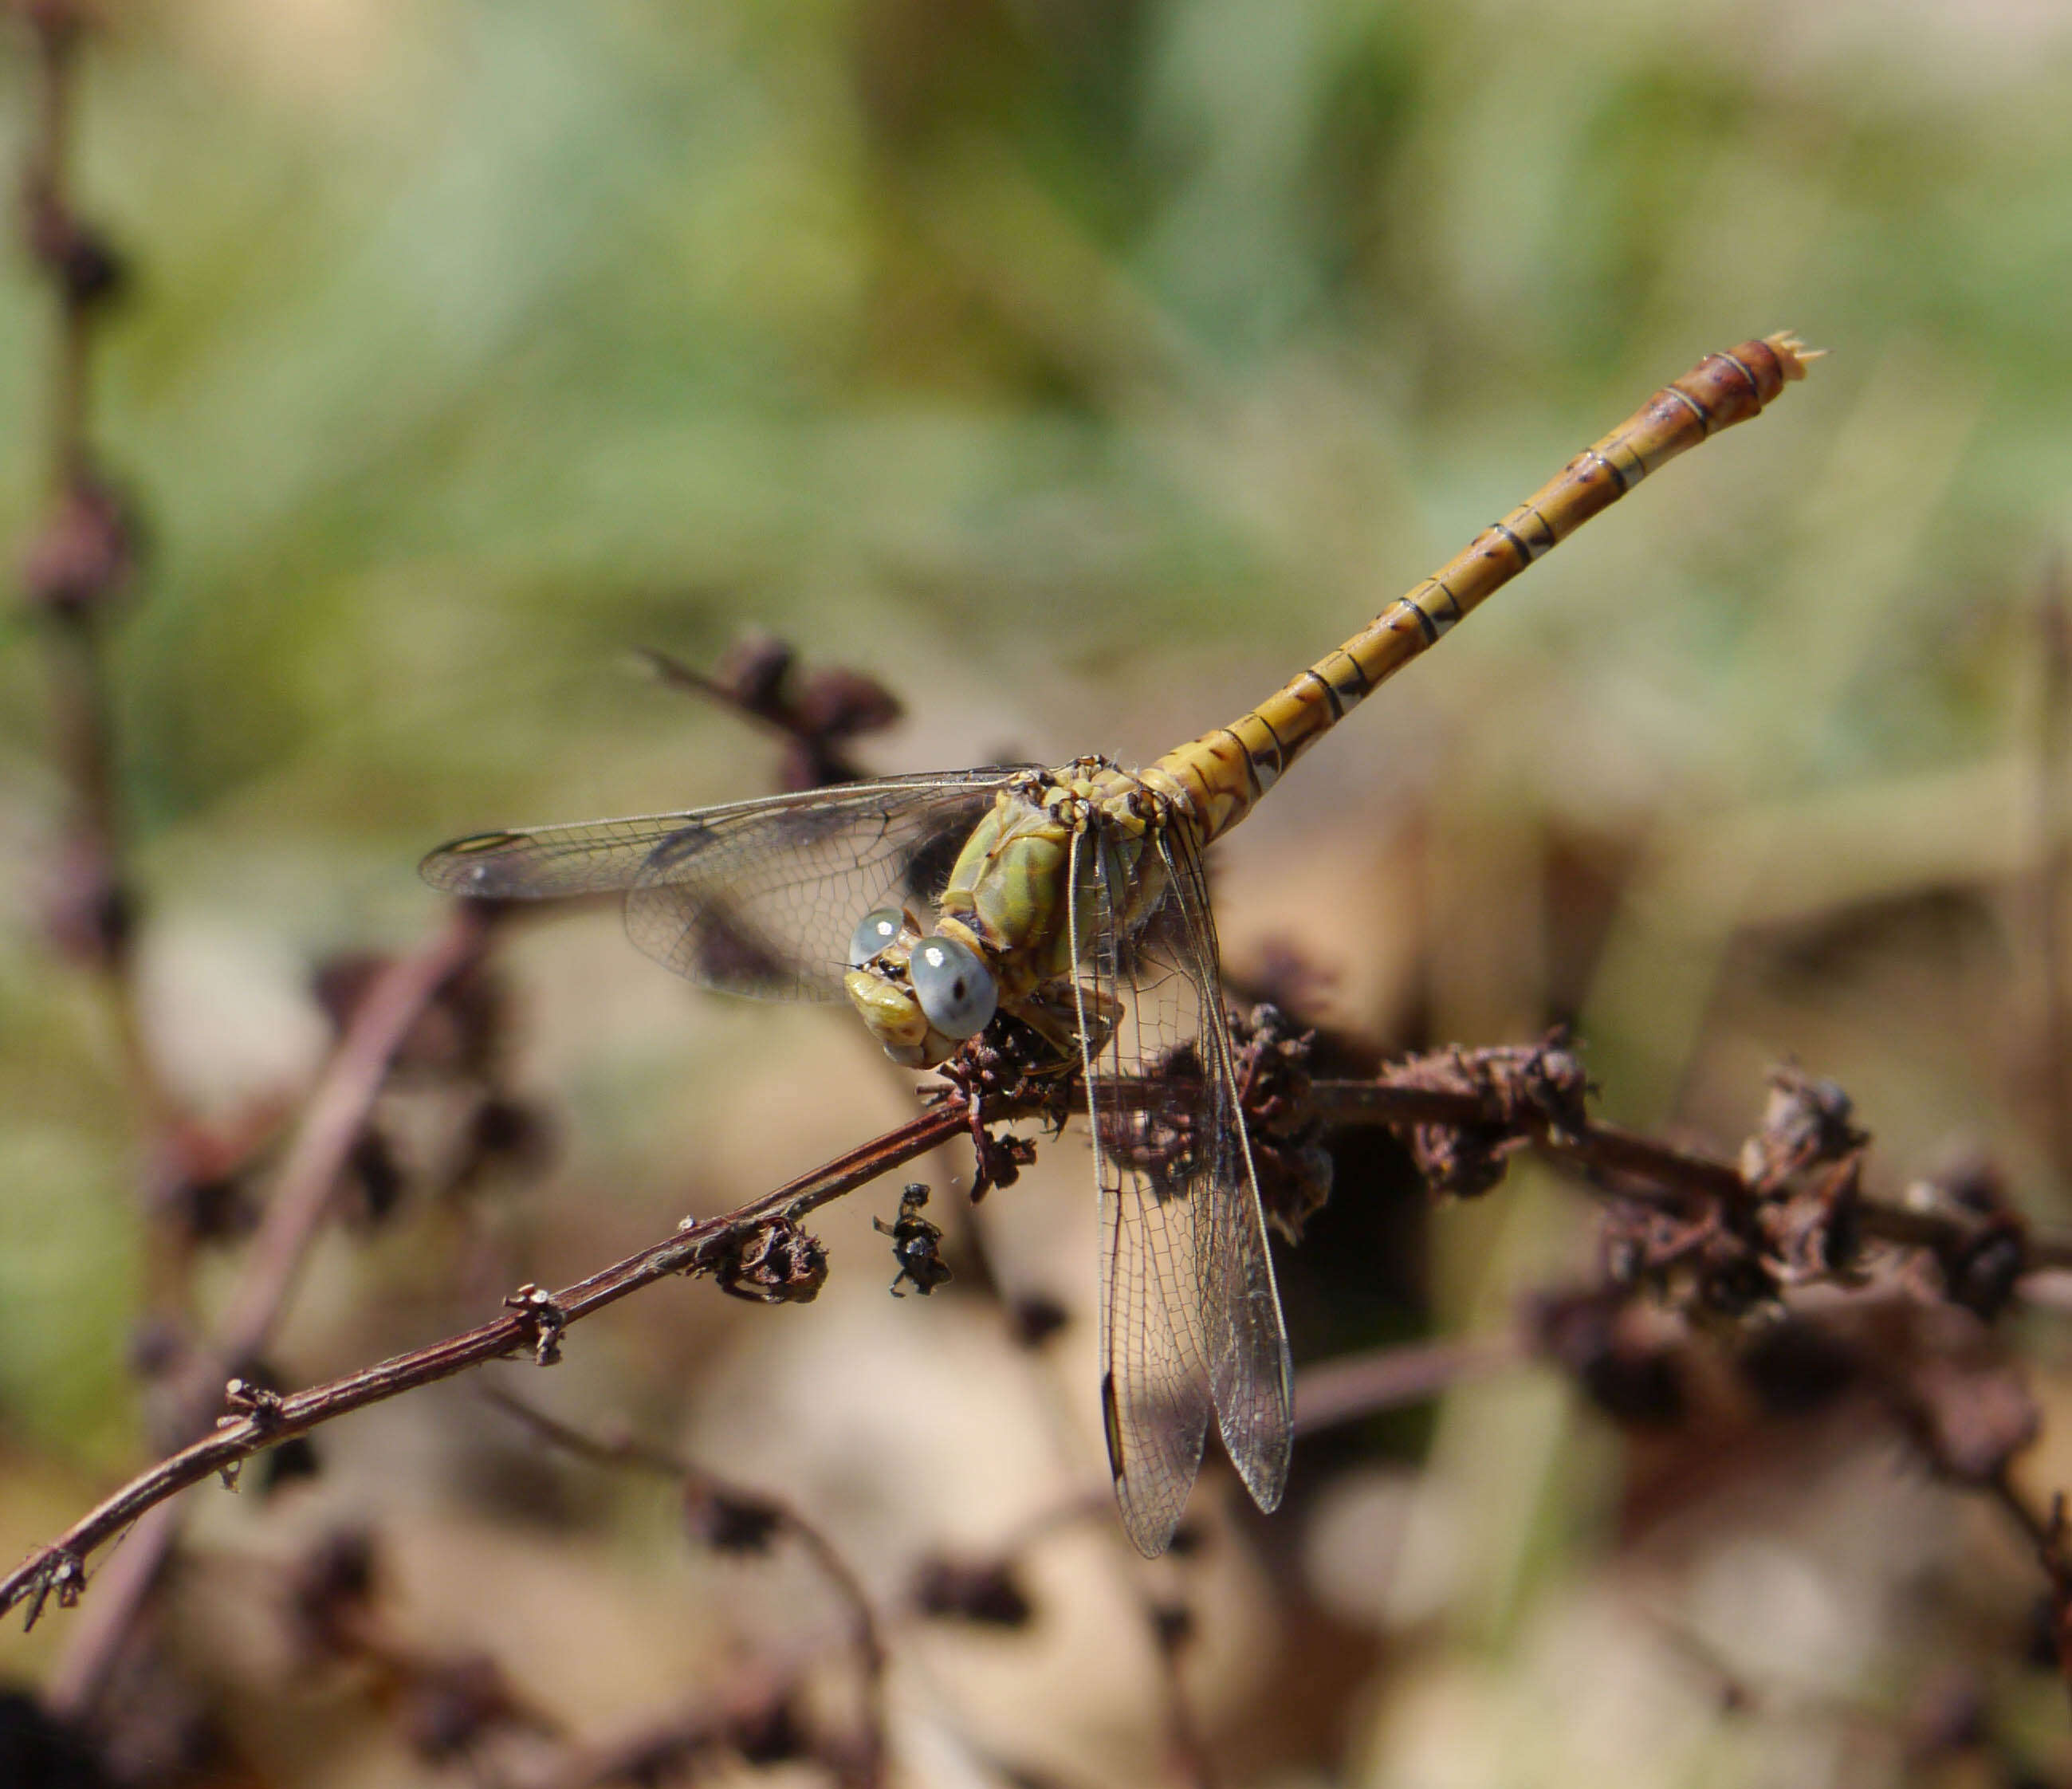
point(82, 556)
point(1632, 1166)
point(817, 713)
point(332, 1121)
point(80, 560)
point(2048, 1535)
point(1495, 1096)
point(2053, 822)
point(755, 1721)
point(1358, 1385)
point(59, 1570)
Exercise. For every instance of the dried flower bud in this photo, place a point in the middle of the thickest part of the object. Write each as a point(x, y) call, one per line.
point(771, 1734)
point(85, 554)
point(985, 1593)
point(729, 1522)
point(1034, 1317)
point(777, 1264)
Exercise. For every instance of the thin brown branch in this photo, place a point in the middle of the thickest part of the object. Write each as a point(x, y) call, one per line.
point(1353, 1386)
point(2046, 1535)
point(755, 1709)
point(59, 1568)
point(1645, 1168)
point(1187, 1761)
point(331, 1124)
point(2053, 880)
point(83, 552)
point(54, 28)
point(79, 559)
point(816, 712)
point(1606, 1148)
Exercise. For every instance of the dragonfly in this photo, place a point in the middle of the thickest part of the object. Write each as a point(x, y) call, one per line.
point(1074, 899)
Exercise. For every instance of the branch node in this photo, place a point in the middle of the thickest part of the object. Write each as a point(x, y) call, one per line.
point(1985, 1246)
point(86, 552)
point(1292, 1165)
point(730, 1521)
point(1523, 1091)
point(59, 1572)
point(86, 267)
point(1005, 1065)
point(985, 1593)
point(1807, 1123)
point(542, 1319)
point(248, 1401)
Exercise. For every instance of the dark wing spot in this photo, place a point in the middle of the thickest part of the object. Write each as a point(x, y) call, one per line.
point(730, 954)
point(1112, 1424)
point(680, 847)
point(813, 821)
point(927, 871)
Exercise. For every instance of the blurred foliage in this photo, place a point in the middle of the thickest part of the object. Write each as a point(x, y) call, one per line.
point(1080, 367)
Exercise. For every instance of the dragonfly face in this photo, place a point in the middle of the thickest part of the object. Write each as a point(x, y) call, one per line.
point(921, 994)
point(1013, 920)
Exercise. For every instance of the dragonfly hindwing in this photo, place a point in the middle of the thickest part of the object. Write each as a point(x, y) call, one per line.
point(1250, 1373)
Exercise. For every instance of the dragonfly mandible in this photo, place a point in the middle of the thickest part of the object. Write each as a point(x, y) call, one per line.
point(1074, 899)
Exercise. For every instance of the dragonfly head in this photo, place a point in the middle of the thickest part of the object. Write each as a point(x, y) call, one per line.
point(921, 994)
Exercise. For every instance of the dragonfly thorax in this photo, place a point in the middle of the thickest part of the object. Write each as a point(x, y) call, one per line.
point(1060, 854)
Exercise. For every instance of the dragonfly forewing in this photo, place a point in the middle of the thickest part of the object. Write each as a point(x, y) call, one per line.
point(756, 897)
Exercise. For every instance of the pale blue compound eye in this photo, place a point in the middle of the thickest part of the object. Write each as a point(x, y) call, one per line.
point(880, 927)
point(954, 987)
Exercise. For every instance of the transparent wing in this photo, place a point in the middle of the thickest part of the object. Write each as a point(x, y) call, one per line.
point(1190, 1319)
point(1251, 1376)
point(1155, 1396)
point(757, 898)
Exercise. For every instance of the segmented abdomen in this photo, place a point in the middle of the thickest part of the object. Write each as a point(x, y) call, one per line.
point(1225, 772)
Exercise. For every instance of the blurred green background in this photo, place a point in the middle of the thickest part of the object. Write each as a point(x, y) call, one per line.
point(1080, 369)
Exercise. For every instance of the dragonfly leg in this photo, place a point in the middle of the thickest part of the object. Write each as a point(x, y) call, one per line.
point(1052, 1011)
